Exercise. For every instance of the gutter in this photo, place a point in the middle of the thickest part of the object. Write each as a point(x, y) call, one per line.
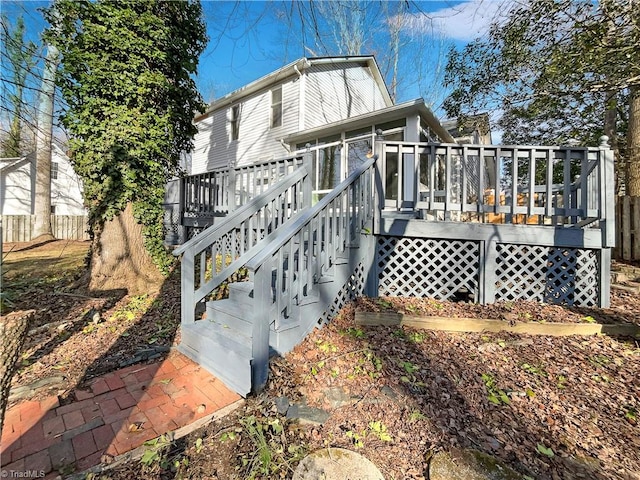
point(293, 68)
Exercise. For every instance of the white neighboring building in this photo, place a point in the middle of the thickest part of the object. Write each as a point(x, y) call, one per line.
point(17, 185)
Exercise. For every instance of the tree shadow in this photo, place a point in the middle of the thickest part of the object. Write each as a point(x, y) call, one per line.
point(32, 245)
point(106, 411)
point(77, 325)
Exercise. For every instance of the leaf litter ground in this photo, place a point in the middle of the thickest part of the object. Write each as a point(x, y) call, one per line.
point(549, 407)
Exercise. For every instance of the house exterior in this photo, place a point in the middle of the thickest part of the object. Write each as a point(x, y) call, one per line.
point(262, 120)
point(332, 106)
point(317, 186)
point(17, 198)
point(17, 185)
point(475, 129)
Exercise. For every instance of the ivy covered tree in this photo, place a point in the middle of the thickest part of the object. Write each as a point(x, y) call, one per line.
point(126, 76)
point(557, 71)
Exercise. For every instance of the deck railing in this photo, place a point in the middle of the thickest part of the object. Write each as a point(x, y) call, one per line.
point(214, 255)
point(562, 186)
point(287, 270)
point(220, 191)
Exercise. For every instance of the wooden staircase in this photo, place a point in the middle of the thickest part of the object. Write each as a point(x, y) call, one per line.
point(298, 273)
point(304, 261)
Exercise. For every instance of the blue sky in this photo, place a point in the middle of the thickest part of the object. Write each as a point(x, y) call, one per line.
point(251, 39)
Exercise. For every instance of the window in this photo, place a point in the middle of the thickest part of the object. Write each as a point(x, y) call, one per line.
point(54, 170)
point(235, 122)
point(53, 209)
point(276, 107)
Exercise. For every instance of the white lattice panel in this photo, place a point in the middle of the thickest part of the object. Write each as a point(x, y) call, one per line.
point(567, 276)
point(420, 267)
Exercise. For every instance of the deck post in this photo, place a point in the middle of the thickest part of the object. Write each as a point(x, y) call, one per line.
point(607, 212)
point(231, 194)
point(607, 196)
point(187, 297)
point(307, 187)
point(182, 234)
point(378, 185)
point(604, 278)
point(488, 266)
point(262, 296)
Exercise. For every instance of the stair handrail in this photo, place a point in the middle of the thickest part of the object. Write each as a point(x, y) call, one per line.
point(221, 185)
point(238, 237)
point(327, 229)
point(300, 221)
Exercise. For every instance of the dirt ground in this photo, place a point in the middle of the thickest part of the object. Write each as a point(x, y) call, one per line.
point(559, 408)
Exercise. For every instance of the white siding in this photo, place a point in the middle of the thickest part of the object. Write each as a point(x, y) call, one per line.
point(17, 181)
point(257, 141)
point(66, 190)
point(17, 186)
point(339, 91)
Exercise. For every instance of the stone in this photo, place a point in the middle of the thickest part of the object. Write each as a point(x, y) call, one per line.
point(336, 464)
point(306, 414)
point(336, 397)
point(282, 405)
point(26, 391)
point(389, 392)
point(469, 465)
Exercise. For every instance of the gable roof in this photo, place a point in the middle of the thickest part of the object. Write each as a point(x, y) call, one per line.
point(383, 115)
point(296, 68)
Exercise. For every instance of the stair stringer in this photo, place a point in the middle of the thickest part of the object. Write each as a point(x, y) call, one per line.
point(348, 280)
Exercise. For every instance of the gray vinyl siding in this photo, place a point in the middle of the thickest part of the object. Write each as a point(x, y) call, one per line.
point(336, 92)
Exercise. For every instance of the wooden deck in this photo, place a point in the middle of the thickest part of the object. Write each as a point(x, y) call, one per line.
point(493, 223)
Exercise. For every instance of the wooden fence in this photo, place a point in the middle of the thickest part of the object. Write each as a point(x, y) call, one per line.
point(19, 228)
point(627, 228)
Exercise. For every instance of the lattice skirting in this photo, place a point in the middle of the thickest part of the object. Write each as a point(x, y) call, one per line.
point(444, 268)
point(566, 276)
point(353, 288)
point(421, 267)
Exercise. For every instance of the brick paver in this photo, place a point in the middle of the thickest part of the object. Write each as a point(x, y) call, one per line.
point(111, 415)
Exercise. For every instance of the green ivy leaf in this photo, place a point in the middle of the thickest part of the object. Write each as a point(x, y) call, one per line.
point(545, 451)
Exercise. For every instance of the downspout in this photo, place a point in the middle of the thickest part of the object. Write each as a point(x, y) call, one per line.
point(301, 93)
point(285, 145)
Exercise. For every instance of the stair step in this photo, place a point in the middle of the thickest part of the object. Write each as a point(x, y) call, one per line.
point(241, 292)
point(224, 357)
point(231, 317)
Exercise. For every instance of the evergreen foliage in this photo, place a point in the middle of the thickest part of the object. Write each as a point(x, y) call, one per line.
point(127, 79)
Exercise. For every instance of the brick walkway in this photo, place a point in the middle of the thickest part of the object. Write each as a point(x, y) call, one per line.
point(115, 414)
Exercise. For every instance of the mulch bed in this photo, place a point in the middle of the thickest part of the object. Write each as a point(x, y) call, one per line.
point(503, 394)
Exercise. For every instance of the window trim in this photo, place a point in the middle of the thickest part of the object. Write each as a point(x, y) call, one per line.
point(55, 170)
point(274, 106)
point(234, 121)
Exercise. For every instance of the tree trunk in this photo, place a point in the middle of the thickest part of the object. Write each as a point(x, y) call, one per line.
point(119, 260)
point(13, 333)
point(633, 143)
point(611, 131)
point(42, 201)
